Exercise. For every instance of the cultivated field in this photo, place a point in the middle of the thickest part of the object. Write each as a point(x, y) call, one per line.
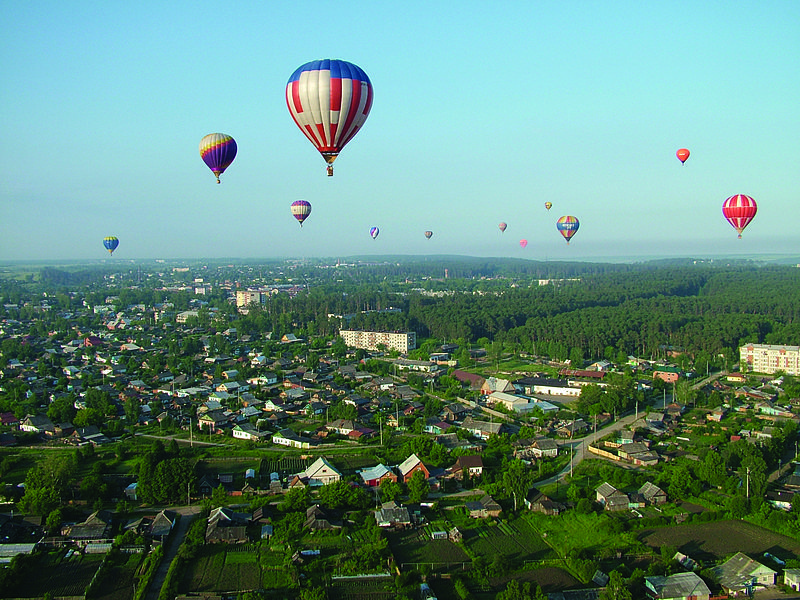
point(717, 540)
point(518, 541)
point(59, 576)
point(221, 568)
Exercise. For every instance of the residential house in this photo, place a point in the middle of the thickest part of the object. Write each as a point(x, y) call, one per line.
point(454, 412)
point(483, 508)
point(392, 515)
point(287, 437)
point(611, 498)
point(791, 579)
point(226, 526)
point(740, 574)
point(653, 494)
point(38, 424)
point(213, 420)
point(321, 519)
point(373, 476)
point(246, 431)
point(471, 466)
point(495, 384)
point(320, 472)
point(97, 526)
point(681, 586)
point(409, 466)
point(481, 429)
point(538, 502)
point(544, 448)
point(475, 382)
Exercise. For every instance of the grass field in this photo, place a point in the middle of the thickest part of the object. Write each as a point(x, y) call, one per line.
point(593, 533)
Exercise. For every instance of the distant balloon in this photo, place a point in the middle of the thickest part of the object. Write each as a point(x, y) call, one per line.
point(428, 234)
point(682, 155)
point(110, 244)
point(329, 101)
point(523, 243)
point(301, 209)
point(373, 232)
point(218, 151)
point(568, 226)
point(502, 227)
point(739, 210)
point(548, 205)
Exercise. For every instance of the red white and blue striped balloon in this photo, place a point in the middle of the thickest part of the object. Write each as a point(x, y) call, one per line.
point(218, 151)
point(329, 101)
point(373, 232)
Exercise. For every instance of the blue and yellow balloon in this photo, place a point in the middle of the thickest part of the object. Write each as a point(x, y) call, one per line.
point(110, 244)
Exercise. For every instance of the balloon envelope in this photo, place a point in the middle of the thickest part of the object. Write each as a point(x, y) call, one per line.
point(739, 210)
point(548, 205)
point(373, 232)
point(110, 243)
point(329, 101)
point(502, 227)
point(428, 234)
point(523, 243)
point(568, 226)
point(301, 209)
point(218, 151)
point(682, 155)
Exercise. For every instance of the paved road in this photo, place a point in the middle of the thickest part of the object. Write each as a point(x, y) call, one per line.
point(579, 445)
point(187, 513)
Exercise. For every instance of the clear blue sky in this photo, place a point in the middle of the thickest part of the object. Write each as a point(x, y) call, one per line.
point(482, 112)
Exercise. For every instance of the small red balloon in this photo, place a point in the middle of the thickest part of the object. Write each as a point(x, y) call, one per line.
point(682, 155)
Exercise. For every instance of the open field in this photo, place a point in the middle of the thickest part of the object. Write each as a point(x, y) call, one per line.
point(717, 540)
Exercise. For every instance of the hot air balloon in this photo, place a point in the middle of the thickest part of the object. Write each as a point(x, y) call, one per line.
point(682, 155)
point(428, 234)
point(548, 205)
point(568, 226)
point(373, 232)
point(739, 210)
point(218, 151)
point(523, 243)
point(502, 227)
point(329, 101)
point(301, 209)
point(110, 244)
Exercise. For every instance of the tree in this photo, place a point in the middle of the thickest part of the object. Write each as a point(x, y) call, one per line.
point(418, 488)
point(516, 481)
point(219, 496)
point(390, 490)
point(616, 589)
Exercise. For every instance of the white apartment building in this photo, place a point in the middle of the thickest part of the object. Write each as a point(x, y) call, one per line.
point(765, 358)
point(369, 340)
point(247, 297)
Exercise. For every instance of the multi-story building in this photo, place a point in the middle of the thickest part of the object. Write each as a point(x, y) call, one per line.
point(765, 358)
point(247, 297)
point(370, 340)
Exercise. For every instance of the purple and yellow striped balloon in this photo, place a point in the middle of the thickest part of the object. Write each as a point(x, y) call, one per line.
point(218, 151)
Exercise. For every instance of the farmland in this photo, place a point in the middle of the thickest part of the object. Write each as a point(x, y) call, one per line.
point(716, 541)
point(225, 568)
point(58, 575)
